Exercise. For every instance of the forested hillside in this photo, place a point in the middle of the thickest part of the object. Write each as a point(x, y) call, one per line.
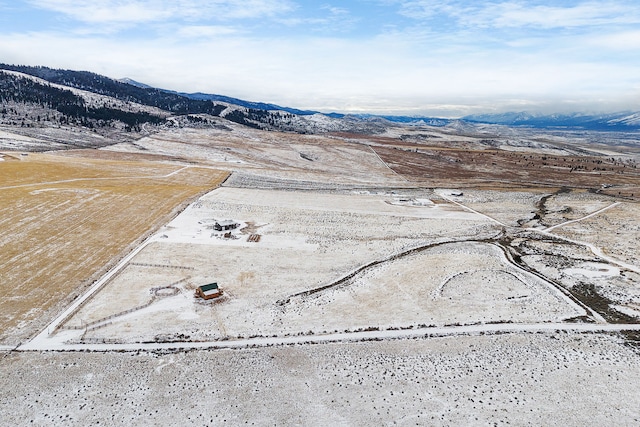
point(44, 96)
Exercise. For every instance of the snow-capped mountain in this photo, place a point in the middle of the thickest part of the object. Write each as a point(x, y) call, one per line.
point(632, 119)
point(248, 104)
point(623, 121)
point(89, 100)
point(134, 103)
point(132, 82)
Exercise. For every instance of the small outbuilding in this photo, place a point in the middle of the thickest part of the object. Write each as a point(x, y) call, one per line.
point(209, 291)
point(225, 225)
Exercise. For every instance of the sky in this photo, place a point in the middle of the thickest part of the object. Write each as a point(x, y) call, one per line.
point(442, 58)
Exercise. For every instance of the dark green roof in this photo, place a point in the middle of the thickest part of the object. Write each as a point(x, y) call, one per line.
point(209, 287)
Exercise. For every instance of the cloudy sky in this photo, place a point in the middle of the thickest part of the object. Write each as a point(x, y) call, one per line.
point(434, 57)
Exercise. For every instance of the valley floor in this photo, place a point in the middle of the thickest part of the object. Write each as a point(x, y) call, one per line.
point(353, 294)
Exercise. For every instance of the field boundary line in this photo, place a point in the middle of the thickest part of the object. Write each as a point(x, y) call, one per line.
point(66, 181)
point(341, 337)
point(386, 165)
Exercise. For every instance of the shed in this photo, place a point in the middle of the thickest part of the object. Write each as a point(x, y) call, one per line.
point(225, 225)
point(209, 291)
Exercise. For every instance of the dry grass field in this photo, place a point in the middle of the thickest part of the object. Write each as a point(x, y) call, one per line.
point(508, 169)
point(65, 220)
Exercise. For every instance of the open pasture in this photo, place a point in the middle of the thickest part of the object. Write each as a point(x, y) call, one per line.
point(325, 262)
point(521, 379)
point(318, 158)
point(330, 239)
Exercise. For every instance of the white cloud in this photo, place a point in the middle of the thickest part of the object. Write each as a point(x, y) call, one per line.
point(424, 9)
point(141, 11)
point(333, 19)
point(207, 31)
point(404, 70)
point(334, 74)
point(335, 10)
point(517, 14)
point(617, 41)
point(107, 10)
point(508, 14)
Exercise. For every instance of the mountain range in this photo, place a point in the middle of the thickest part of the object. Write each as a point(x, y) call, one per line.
point(94, 100)
point(600, 122)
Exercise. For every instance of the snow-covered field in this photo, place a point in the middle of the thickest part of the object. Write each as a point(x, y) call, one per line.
point(309, 241)
point(13, 141)
point(517, 379)
point(320, 159)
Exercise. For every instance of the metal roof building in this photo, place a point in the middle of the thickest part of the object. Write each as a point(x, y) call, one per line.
point(208, 291)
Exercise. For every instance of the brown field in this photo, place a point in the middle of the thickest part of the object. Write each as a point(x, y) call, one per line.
point(484, 167)
point(65, 220)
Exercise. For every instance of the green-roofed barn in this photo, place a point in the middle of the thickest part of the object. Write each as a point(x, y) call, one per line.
point(209, 291)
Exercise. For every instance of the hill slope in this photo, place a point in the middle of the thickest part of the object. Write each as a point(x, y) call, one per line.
point(70, 96)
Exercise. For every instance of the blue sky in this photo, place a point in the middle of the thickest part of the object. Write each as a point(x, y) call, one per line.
point(443, 58)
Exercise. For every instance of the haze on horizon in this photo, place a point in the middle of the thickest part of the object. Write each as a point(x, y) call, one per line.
point(445, 58)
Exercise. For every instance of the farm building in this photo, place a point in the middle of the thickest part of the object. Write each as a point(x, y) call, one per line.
point(226, 225)
point(209, 291)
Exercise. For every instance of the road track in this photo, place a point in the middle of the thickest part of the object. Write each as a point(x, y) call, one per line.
point(613, 205)
point(374, 335)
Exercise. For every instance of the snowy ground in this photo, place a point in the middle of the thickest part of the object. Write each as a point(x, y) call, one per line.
point(320, 159)
point(13, 141)
point(324, 263)
point(551, 378)
point(308, 241)
point(365, 300)
point(294, 358)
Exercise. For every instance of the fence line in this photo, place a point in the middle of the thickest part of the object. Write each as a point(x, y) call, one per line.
point(145, 264)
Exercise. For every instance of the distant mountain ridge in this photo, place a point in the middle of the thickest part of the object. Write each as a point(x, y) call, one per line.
point(127, 91)
point(248, 104)
point(413, 120)
point(132, 82)
point(622, 121)
point(55, 97)
point(259, 114)
point(199, 96)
